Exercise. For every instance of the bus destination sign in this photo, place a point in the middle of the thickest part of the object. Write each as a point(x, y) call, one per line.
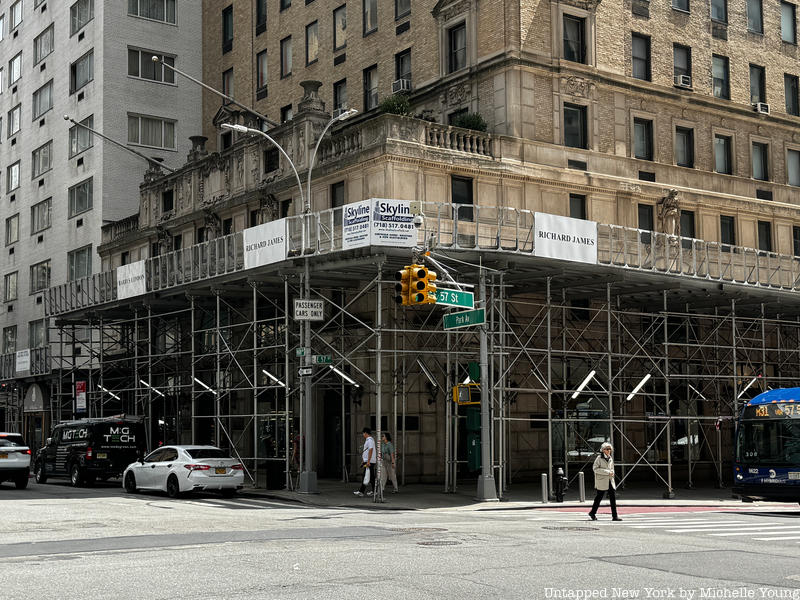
point(790, 410)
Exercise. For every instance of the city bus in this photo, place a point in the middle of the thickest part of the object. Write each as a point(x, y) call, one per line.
point(767, 456)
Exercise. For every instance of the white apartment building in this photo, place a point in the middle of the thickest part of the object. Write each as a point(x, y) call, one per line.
point(59, 184)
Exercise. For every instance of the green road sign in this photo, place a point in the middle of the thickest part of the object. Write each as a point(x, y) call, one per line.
point(300, 351)
point(321, 359)
point(465, 318)
point(455, 298)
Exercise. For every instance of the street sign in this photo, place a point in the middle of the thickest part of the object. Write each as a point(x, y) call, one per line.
point(465, 318)
point(300, 352)
point(305, 371)
point(455, 298)
point(321, 359)
point(309, 310)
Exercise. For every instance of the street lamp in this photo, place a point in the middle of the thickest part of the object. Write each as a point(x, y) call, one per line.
point(340, 117)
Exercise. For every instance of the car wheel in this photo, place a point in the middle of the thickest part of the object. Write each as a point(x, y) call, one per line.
point(173, 487)
point(228, 492)
point(40, 473)
point(75, 475)
point(130, 483)
point(21, 482)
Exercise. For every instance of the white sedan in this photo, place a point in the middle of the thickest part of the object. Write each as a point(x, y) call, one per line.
point(179, 469)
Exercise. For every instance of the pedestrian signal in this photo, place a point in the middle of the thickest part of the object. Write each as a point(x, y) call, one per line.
point(403, 286)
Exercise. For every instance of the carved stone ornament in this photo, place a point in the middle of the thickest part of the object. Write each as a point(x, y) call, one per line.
point(670, 213)
point(578, 86)
point(447, 9)
point(582, 4)
point(458, 94)
point(212, 223)
point(240, 168)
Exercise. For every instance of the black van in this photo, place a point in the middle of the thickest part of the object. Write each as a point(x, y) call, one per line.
point(90, 449)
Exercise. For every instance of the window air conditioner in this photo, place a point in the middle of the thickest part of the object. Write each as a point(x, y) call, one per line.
point(761, 107)
point(401, 85)
point(684, 81)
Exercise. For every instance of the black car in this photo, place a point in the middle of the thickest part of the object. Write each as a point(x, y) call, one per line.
point(90, 449)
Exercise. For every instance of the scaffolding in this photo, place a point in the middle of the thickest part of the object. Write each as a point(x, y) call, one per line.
point(655, 349)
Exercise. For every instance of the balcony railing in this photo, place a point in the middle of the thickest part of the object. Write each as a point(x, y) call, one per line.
point(452, 226)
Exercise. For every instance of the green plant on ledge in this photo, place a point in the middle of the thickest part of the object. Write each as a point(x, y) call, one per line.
point(397, 104)
point(470, 121)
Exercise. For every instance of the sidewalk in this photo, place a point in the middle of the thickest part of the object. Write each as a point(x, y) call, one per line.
point(519, 496)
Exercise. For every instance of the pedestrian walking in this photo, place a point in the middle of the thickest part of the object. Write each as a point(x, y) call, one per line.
point(388, 457)
point(368, 461)
point(604, 481)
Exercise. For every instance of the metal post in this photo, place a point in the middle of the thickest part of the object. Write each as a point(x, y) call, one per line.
point(286, 379)
point(549, 380)
point(581, 487)
point(486, 484)
point(254, 324)
point(670, 493)
point(545, 494)
point(378, 495)
point(308, 477)
point(218, 365)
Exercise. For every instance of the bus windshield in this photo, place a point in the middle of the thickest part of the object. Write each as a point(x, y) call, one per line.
point(769, 442)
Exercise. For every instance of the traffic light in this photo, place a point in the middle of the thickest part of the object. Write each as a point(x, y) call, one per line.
point(430, 287)
point(423, 290)
point(403, 286)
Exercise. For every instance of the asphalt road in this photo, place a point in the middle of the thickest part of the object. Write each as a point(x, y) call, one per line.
point(59, 542)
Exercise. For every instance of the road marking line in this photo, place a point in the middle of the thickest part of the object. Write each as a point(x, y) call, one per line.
point(791, 537)
point(713, 527)
point(757, 530)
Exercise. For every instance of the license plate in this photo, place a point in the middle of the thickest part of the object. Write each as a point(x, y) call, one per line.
point(794, 475)
point(220, 470)
point(102, 455)
point(3, 455)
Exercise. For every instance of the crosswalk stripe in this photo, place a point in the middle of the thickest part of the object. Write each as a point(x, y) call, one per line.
point(738, 526)
point(750, 531)
point(673, 524)
point(786, 537)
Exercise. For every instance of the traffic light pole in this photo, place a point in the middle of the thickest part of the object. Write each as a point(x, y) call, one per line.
point(487, 490)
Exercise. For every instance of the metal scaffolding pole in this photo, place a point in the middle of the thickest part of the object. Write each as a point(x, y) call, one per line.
point(487, 490)
point(308, 477)
point(378, 495)
point(670, 493)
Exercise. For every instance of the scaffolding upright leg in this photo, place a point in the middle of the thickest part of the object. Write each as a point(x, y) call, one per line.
point(487, 490)
point(378, 495)
point(670, 493)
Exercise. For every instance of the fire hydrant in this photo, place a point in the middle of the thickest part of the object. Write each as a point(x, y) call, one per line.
point(561, 484)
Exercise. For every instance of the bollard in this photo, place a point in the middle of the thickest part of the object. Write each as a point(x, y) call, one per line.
point(581, 488)
point(561, 484)
point(545, 494)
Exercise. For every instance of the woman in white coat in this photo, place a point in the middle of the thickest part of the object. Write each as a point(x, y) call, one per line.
point(604, 481)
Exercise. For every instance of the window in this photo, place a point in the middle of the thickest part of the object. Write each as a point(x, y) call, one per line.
point(577, 206)
point(14, 117)
point(80, 138)
point(687, 225)
point(157, 10)
point(2, 26)
point(755, 21)
point(79, 263)
point(684, 147)
point(370, 16)
point(285, 4)
point(723, 155)
point(261, 16)
point(227, 84)
point(261, 70)
point(640, 52)
point(457, 47)
point(575, 126)
point(765, 236)
point(43, 99)
point(682, 60)
point(643, 139)
point(287, 114)
point(81, 72)
point(340, 27)
point(401, 8)
point(461, 194)
point(727, 230)
point(151, 131)
point(15, 15)
point(788, 26)
point(80, 14)
point(796, 240)
point(227, 29)
point(12, 177)
point(758, 91)
point(141, 65)
point(402, 65)
point(760, 161)
point(43, 45)
point(15, 69)
point(167, 201)
point(645, 214)
point(271, 160)
point(10, 339)
point(790, 92)
point(80, 197)
point(681, 5)
point(719, 10)
point(42, 160)
point(40, 216)
point(793, 167)
point(720, 77)
point(10, 288)
point(37, 334)
point(340, 95)
point(337, 200)
point(312, 43)
point(370, 87)
point(574, 39)
point(12, 229)
point(40, 276)
point(286, 56)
